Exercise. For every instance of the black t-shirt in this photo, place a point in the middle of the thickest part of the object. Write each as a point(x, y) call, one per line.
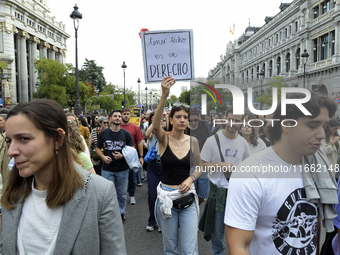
point(114, 142)
point(202, 132)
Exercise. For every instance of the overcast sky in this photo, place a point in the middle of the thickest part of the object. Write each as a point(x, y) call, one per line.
point(108, 32)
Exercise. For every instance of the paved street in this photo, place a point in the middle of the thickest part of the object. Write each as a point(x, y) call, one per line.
point(138, 240)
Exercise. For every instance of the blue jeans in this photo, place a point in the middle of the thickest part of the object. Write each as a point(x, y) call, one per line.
point(154, 176)
point(120, 181)
point(217, 234)
point(132, 181)
point(187, 220)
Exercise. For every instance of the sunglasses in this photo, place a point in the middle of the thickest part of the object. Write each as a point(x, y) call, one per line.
point(105, 122)
point(193, 120)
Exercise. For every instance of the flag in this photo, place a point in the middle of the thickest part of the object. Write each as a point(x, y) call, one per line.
point(231, 31)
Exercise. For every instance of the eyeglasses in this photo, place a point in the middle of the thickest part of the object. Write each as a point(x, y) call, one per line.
point(193, 120)
point(105, 122)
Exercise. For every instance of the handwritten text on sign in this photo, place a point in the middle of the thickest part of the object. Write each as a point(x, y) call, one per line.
point(168, 53)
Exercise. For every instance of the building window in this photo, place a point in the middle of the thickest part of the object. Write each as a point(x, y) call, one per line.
point(270, 68)
point(252, 74)
point(298, 53)
point(316, 11)
point(277, 38)
point(332, 41)
point(315, 49)
point(247, 76)
point(242, 78)
point(325, 6)
point(257, 73)
point(324, 47)
point(296, 26)
point(286, 32)
point(287, 62)
point(278, 65)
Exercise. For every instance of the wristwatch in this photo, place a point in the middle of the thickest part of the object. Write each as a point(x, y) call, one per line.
point(141, 156)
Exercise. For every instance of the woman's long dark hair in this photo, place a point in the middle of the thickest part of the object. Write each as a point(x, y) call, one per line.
point(331, 123)
point(47, 116)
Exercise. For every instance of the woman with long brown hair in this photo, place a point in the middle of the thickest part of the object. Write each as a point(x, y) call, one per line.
point(49, 203)
point(177, 202)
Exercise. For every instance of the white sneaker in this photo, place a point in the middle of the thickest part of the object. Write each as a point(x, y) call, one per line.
point(132, 200)
point(159, 230)
point(150, 228)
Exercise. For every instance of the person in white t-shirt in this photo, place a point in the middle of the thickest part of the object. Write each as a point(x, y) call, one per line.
point(255, 144)
point(234, 149)
point(267, 211)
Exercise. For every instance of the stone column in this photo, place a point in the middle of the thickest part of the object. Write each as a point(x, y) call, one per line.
point(23, 78)
point(336, 56)
point(43, 49)
point(54, 49)
point(34, 75)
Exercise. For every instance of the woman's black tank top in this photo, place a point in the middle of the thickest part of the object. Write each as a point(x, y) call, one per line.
point(174, 170)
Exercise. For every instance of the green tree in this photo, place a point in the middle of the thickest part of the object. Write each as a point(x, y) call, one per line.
point(171, 100)
point(57, 82)
point(197, 91)
point(184, 98)
point(92, 73)
point(275, 82)
point(3, 65)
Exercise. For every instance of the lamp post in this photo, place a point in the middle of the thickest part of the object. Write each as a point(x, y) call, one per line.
point(138, 81)
point(124, 66)
point(261, 74)
point(146, 94)
point(37, 84)
point(304, 57)
point(76, 16)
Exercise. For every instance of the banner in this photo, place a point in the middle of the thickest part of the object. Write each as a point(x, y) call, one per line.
point(135, 114)
point(168, 53)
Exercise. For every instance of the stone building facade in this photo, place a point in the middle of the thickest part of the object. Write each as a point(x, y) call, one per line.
point(275, 49)
point(27, 32)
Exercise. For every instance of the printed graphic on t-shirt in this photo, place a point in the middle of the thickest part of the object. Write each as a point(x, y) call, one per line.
point(113, 145)
point(230, 153)
point(295, 226)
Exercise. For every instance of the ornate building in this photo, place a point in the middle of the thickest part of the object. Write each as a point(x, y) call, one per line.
point(275, 50)
point(27, 32)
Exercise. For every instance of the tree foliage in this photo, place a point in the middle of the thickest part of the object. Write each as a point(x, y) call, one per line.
point(184, 98)
point(57, 82)
point(196, 95)
point(275, 82)
point(92, 73)
point(171, 100)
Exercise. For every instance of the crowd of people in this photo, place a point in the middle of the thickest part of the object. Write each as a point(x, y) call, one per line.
point(255, 177)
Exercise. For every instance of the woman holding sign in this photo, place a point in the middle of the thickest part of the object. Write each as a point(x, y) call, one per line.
point(177, 203)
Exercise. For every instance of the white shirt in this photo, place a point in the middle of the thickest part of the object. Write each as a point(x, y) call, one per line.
point(38, 226)
point(233, 150)
point(273, 205)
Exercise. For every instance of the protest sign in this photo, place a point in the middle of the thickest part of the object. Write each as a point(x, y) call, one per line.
point(135, 114)
point(168, 53)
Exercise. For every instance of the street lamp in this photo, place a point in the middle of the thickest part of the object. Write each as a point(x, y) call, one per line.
point(304, 57)
point(261, 74)
point(37, 84)
point(76, 16)
point(146, 94)
point(124, 66)
point(138, 81)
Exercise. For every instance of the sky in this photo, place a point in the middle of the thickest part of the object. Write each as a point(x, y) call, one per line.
point(108, 31)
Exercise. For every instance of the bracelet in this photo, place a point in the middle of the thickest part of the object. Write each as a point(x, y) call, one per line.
point(193, 178)
point(141, 156)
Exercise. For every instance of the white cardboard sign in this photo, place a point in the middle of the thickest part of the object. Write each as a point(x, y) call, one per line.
point(168, 53)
